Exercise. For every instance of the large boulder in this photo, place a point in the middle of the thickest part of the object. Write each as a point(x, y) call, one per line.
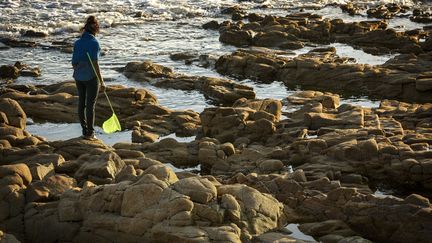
point(14, 179)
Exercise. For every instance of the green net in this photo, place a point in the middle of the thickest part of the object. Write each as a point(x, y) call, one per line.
point(111, 125)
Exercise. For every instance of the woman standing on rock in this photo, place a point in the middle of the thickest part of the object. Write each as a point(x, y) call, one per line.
point(86, 80)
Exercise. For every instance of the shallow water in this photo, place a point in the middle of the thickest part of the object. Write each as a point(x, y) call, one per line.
point(65, 131)
point(297, 234)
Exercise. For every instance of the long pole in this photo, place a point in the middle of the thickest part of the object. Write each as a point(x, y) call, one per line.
point(97, 76)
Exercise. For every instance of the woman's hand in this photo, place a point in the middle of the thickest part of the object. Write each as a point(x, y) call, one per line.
point(102, 87)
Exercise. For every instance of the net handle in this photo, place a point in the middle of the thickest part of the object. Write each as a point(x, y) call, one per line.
point(99, 80)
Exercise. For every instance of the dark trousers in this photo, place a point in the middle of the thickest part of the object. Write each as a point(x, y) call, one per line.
point(87, 93)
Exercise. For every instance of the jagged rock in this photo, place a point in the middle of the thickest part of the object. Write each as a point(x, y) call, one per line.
point(99, 168)
point(167, 150)
point(49, 189)
point(227, 124)
point(39, 172)
point(405, 77)
point(199, 190)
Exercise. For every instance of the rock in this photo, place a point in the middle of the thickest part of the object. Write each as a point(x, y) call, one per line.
point(418, 200)
point(17, 43)
point(349, 119)
point(219, 90)
point(150, 209)
point(424, 84)
point(336, 227)
point(14, 179)
point(39, 172)
point(227, 124)
point(236, 38)
point(19, 171)
point(9, 72)
point(34, 72)
point(128, 173)
point(49, 189)
point(99, 168)
point(7, 238)
point(145, 70)
point(285, 31)
point(182, 56)
point(255, 204)
point(212, 25)
point(330, 72)
point(14, 113)
point(32, 33)
point(199, 190)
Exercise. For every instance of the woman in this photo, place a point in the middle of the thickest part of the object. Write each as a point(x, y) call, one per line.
point(85, 77)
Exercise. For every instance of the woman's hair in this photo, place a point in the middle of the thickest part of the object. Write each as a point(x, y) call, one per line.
point(91, 25)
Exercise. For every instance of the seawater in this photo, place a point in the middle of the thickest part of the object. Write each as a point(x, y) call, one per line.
point(166, 27)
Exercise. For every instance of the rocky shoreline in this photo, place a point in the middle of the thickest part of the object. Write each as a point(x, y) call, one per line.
point(263, 164)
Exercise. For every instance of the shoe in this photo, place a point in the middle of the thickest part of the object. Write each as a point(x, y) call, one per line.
point(91, 137)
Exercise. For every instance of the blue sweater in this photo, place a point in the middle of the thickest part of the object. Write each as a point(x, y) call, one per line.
point(87, 43)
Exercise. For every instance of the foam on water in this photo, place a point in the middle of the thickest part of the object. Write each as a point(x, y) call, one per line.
point(172, 26)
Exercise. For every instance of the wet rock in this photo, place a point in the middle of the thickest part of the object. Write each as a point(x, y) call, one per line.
point(34, 72)
point(17, 43)
point(421, 16)
point(33, 33)
point(326, 70)
point(9, 72)
point(212, 25)
point(236, 37)
point(182, 56)
point(145, 70)
point(285, 32)
point(220, 90)
point(231, 10)
point(350, 9)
